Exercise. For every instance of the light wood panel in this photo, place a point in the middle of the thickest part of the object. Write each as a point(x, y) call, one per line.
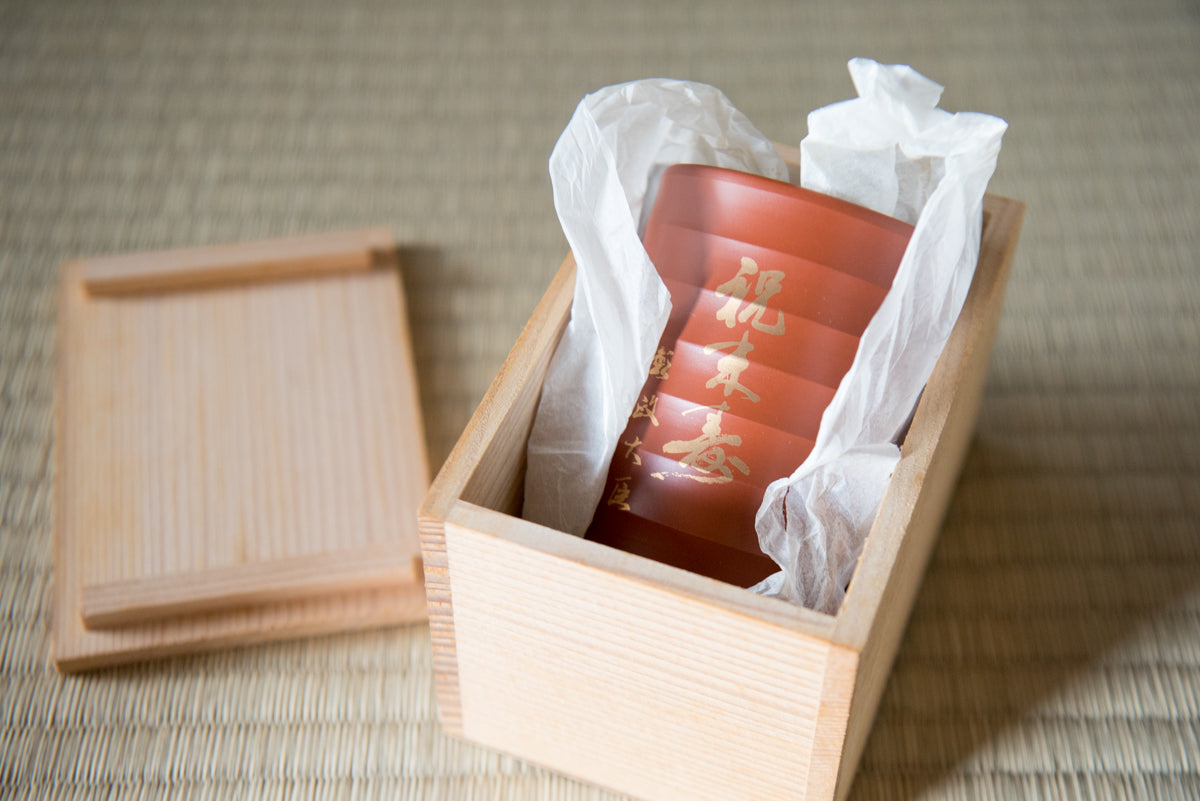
point(148, 598)
point(236, 462)
point(624, 682)
point(248, 262)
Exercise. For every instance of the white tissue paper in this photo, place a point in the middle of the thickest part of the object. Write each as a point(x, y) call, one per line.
point(892, 150)
point(604, 171)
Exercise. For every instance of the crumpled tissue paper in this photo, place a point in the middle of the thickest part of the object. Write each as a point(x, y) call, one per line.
point(892, 150)
point(604, 172)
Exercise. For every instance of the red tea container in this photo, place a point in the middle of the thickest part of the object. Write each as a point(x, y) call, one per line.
point(772, 286)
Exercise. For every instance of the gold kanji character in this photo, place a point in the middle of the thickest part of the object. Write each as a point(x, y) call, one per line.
point(730, 366)
point(769, 283)
point(661, 363)
point(647, 407)
point(630, 452)
point(620, 494)
point(706, 453)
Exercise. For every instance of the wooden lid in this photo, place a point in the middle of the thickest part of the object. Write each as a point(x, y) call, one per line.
point(240, 449)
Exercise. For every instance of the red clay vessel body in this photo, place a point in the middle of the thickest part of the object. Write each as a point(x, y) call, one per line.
point(771, 286)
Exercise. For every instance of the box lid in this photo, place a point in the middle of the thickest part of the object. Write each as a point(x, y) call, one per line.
point(240, 449)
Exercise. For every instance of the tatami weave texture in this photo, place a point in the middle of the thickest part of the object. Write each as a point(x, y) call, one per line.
point(1055, 647)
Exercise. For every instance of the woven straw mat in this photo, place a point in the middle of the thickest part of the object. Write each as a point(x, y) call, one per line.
point(1054, 650)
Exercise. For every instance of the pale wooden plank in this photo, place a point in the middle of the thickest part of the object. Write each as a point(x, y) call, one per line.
point(497, 480)
point(625, 683)
point(221, 265)
point(834, 718)
point(279, 412)
point(77, 649)
point(887, 578)
point(156, 597)
point(104, 454)
point(701, 589)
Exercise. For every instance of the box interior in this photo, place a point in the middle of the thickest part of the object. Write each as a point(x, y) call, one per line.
point(529, 623)
point(496, 482)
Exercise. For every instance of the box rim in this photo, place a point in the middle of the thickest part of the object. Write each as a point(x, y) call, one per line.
point(851, 625)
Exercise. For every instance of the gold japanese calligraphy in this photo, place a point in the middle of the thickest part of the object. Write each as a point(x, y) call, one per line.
point(769, 283)
point(620, 494)
point(631, 450)
point(770, 288)
point(730, 367)
point(747, 304)
point(647, 407)
point(706, 453)
point(661, 363)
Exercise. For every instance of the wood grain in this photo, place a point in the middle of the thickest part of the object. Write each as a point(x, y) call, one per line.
point(133, 601)
point(220, 451)
point(620, 681)
point(224, 265)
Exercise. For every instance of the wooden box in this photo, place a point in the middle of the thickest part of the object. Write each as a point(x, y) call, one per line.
point(653, 681)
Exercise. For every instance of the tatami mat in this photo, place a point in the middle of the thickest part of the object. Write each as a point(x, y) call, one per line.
point(1055, 647)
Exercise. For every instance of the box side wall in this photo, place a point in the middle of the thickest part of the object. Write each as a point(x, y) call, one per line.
point(487, 467)
point(625, 684)
point(441, 622)
point(911, 516)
